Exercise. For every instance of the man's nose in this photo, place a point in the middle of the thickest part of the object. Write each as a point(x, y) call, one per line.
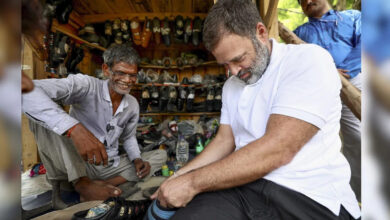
point(234, 69)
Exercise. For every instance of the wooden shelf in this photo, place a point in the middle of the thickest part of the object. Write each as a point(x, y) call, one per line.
point(98, 18)
point(178, 85)
point(207, 63)
point(180, 113)
point(65, 30)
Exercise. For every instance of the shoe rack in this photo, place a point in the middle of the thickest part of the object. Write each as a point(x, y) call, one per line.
point(98, 12)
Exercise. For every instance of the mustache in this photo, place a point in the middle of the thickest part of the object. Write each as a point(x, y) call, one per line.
point(311, 4)
point(242, 72)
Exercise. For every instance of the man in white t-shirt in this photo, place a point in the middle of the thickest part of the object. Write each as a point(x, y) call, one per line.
point(277, 152)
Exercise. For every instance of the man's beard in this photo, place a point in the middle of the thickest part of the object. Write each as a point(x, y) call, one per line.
point(259, 64)
point(117, 89)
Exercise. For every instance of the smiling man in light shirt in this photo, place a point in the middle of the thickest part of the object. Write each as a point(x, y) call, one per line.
point(277, 151)
point(82, 147)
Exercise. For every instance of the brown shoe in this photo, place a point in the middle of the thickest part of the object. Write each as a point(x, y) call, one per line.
point(136, 31)
point(146, 33)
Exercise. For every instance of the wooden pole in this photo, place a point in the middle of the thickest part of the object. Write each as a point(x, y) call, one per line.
point(350, 95)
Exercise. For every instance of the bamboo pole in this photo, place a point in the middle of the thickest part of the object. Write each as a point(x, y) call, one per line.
point(350, 95)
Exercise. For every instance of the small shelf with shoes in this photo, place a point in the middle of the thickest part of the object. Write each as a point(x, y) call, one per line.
point(181, 114)
point(207, 63)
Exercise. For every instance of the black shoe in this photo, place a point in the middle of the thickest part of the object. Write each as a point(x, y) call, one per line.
point(157, 30)
point(179, 29)
point(179, 62)
point(63, 11)
point(185, 81)
point(196, 31)
point(218, 99)
point(108, 28)
point(164, 96)
point(109, 209)
point(145, 99)
point(190, 99)
point(181, 98)
point(187, 30)
point(165, 32)
point(76, 57)
point(172, 99)
point(155, 99)
point(210, 99)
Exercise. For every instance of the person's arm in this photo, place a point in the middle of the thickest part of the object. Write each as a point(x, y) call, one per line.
point(284, 137)
point(221, 146)
point(41, 106)
point(130, 143)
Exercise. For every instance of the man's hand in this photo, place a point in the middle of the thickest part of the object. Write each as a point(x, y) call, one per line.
point(344, 73)
point(88, 146)
point(142, 168)
point(176, 191)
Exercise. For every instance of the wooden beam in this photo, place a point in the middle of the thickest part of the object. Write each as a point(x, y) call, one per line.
point(350, 95)
point(65, 29)
point(99, 18)
point(271, 14)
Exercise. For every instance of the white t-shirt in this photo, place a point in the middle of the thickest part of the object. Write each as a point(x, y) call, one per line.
point(301, 81)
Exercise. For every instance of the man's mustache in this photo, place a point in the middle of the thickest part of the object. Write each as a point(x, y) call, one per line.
point(310, 4)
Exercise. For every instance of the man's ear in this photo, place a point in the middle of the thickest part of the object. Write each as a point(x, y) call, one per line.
point(105, 70)
point(261, 32)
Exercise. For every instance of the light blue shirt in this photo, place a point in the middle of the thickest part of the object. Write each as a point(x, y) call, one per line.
point(91, 106)
point(339, 33)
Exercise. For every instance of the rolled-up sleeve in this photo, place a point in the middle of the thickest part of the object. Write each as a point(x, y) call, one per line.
point(41, 105)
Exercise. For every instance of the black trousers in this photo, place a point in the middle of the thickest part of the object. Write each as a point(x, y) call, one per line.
point(261, 199)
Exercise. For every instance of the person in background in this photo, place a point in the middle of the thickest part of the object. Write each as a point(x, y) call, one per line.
point(339, 32)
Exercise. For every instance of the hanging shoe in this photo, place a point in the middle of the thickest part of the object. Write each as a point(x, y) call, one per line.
point(190, 99)
point(187, 30)
point(108, 28)
point(172, 99)
point(218, 99)
point(210, 99)
point(165, 32)
point(125, 25)
point(179, 29)
point(145, 99)
point(146, 33)
point(136, 31)
point(196, 31)
point(155, 99)
point(63, 11)
point(157, 30)
point(182, 98)
point(75, 58)
point(164, 96)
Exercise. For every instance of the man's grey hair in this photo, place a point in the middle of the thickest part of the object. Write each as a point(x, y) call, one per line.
point(230, 17)
point(120, 53)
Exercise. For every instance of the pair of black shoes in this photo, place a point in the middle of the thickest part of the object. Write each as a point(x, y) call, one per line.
point(59, 8)
point(75, 58)
point(115, 208)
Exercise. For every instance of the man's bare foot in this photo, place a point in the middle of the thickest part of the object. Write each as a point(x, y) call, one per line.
point(95, 189)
